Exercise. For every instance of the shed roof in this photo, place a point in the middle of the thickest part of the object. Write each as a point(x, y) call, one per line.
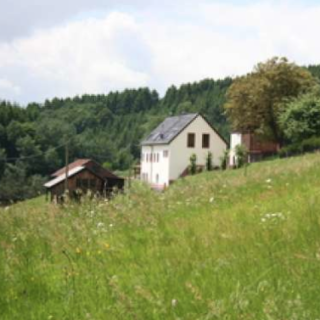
point(62, 177)
point(169, 129)
point(91, 164)
point(77, 163)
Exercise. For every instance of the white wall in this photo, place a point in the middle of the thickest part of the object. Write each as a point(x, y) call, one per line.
point(180, 153)
point(236, 139)
point(157, 172)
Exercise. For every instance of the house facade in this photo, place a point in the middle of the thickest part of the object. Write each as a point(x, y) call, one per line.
point(166, 152)
point(256, 147)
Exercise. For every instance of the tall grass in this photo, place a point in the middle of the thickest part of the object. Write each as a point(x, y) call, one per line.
point(220, 245)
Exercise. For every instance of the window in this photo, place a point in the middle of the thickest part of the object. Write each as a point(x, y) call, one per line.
point(142, 156)
point(165, 153)
point(92, 183)
point(147, 160)
point(206, 141)
point(158, 157)
point(78, 183)
point(191, 140)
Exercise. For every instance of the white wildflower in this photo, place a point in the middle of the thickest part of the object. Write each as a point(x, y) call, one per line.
point(268, 180)
point(211, 199)
point(100, 225)
point(273, 216)
point(110, 225)
point(174, 302)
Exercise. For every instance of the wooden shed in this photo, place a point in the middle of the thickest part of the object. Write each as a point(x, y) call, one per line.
point(83, 175)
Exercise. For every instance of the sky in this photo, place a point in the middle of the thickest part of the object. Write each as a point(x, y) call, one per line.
point(65, 48)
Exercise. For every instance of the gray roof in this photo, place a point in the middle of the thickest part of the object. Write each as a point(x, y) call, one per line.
point(169, 129)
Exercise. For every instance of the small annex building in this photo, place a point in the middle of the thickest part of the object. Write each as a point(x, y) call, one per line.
point(256, 147)
point(166, 152)
point(83, 175)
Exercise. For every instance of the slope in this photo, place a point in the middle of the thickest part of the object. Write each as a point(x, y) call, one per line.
point(241, 244)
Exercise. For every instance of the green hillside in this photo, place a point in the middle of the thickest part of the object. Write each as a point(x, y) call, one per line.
point(242, 244)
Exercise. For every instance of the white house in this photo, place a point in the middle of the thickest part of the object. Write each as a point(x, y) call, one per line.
point(166, 152)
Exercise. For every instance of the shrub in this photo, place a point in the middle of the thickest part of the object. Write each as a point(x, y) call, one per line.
point(193, 164)
point(209, 165)
point(224, 160)
point(311, 144)
point(241, 155)
point(290, 150)
point(307, 145)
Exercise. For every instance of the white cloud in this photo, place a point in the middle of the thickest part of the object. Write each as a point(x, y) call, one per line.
point(230, 39)
point(7, 87)
point(85, 56)
point(157, 48)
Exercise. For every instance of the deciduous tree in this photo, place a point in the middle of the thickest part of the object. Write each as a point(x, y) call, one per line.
point(301, 118)
point(255, 101)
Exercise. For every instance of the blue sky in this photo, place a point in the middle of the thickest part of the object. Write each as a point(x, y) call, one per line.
point(65, 48)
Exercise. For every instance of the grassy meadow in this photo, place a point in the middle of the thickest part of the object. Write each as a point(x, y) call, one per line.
point(240, 244)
